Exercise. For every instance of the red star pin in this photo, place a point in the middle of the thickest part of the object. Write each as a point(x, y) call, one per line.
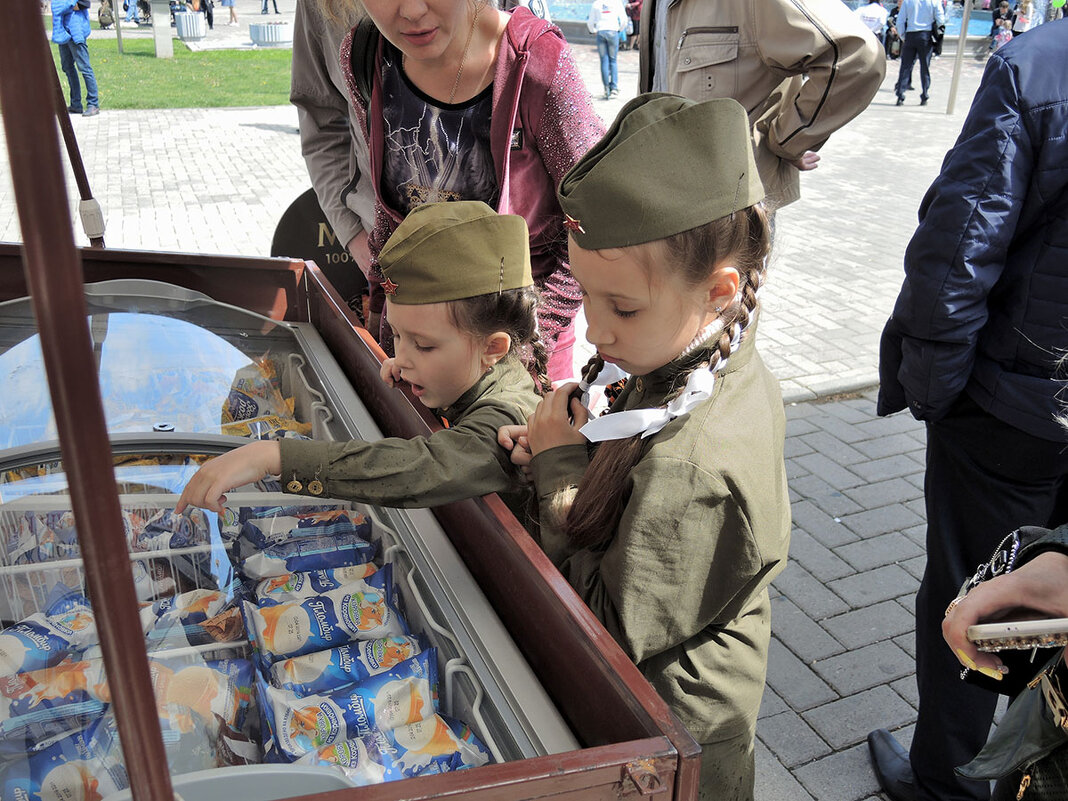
point(573, 225)
point(389, 287)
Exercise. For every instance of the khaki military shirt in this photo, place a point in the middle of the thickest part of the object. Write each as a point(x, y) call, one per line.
point(461, 461)
point(682, 585)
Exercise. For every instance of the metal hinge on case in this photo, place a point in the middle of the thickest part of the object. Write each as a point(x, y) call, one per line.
point(643, 777)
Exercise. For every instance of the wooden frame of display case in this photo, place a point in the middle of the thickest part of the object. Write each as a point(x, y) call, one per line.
point(632, 745)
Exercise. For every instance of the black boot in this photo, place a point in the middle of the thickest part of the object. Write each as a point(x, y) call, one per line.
point(892, 766)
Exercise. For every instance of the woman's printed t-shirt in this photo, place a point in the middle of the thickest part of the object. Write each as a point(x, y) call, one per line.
point(433, 151)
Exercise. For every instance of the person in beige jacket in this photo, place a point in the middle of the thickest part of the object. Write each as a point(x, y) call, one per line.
point(337, 160)
point(801, 69)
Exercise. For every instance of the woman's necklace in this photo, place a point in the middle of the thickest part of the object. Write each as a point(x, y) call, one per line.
point(463, 58)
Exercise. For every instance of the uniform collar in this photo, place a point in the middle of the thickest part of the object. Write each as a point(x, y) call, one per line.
point(652, 388)
point(509, 371)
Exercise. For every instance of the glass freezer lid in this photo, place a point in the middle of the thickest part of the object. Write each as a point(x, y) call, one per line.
point(169, 360)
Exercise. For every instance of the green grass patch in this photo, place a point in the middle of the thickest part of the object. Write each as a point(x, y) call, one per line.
point(208, 79)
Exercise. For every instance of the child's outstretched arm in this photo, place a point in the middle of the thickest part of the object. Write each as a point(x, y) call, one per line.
point(244, 465)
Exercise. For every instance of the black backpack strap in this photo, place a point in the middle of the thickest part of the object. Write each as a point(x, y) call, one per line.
point(364, 51)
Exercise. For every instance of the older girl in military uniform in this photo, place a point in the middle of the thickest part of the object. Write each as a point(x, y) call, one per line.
point(459, 334)
point(669, 515)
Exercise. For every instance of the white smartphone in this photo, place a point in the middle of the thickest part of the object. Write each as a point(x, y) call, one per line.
point(1020, 634)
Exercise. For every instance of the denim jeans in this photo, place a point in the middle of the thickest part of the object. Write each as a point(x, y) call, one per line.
point(607, 48)
point(131, 12)
point(916, 47)
point(74, 58)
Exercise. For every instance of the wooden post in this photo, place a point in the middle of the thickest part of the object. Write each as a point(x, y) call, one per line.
point(53, 271)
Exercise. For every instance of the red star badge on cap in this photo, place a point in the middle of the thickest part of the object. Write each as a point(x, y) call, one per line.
point(389, 287)
point(571, 224)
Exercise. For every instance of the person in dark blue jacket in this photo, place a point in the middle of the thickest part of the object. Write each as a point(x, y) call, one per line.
point(972, 349)
point(70, 30)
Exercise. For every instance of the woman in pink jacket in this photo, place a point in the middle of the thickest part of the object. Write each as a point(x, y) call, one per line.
point(459, 100)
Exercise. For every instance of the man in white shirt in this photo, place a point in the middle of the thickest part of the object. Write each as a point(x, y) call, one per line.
point(606, 19)
point(874, 16)
point(914, 22)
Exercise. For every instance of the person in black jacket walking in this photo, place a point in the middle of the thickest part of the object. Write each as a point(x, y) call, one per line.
point(972, 348)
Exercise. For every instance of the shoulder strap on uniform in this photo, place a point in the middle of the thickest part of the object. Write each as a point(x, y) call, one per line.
point(364, 51)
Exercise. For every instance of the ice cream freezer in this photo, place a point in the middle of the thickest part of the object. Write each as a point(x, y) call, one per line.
point(195, 355)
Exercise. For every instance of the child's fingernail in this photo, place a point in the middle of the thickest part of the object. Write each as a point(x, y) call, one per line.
point(966, 660)
point(993, 673)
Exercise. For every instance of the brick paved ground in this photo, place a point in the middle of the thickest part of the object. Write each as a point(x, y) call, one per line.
point(842, 655)
point(841, 661)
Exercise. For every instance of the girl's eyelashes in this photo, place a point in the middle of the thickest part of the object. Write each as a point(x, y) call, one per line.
point(624, 313)
point(397, 337)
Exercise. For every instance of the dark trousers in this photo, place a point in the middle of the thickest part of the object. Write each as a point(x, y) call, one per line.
point(984, 479)
point(915, 47)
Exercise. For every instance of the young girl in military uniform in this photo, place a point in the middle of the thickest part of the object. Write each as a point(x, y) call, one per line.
point(459, 334)
point(669, 515)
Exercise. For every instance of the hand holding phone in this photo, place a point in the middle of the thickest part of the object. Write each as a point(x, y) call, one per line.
point(1019, 634)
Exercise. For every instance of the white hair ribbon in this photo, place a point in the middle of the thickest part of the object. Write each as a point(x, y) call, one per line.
point(620, 425)
point(609, 374)
point(647, 422)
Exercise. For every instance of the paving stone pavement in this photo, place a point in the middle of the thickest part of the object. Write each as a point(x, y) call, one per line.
point(841, 660)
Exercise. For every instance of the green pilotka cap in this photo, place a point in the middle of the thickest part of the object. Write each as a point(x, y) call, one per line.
point(667, 164)
point(449, 251)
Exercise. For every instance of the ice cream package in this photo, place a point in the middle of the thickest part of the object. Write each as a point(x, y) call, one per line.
point(323, 671)
point(43, 703)
point(435, 745)
point(33, 537)
point(83, 765)
point(322, 622)
point(234, 517)
point(294, 726)
point(254, 392)
point(66, 626)
point(295, 587)
point(161, 529)
point(261, 532)
point(311, 553)
point(275, 546)
point(87, 764)
point(196, 617)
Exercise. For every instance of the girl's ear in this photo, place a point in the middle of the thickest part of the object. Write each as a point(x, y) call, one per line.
point(494, 348)
point(721, 287)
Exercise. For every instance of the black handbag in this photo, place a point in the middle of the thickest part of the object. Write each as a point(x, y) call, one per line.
point(1028, 752)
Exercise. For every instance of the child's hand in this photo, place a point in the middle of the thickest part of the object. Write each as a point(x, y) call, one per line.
point(557, 420)
point(514, 439)
point(390, 373)
point(508, 436)
point(220, 475)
